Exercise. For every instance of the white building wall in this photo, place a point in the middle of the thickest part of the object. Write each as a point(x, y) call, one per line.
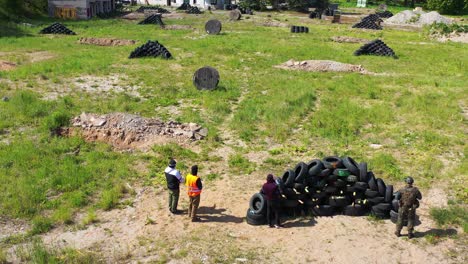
point(84, 8)
point(200, 3)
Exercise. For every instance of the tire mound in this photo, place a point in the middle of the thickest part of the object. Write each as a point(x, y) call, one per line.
point(385, 14)
point(151, 49)
point(155, 8)
point(152, 19)
point(299, 29)
point(57, 28)
point(327, 187)
point(184, 6)
point(375, 47)
point(194, 10)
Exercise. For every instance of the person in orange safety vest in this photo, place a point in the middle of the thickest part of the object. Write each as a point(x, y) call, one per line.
point(194, 189)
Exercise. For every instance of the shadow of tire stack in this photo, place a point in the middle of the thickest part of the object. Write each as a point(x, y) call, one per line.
point(57, 28)
point(327, 187)
point(151, 49)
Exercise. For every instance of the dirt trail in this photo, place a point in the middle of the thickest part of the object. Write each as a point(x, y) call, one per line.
point(123, 235)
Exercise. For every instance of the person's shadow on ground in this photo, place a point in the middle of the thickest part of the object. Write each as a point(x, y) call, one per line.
point(213, 214)
point(437, 232)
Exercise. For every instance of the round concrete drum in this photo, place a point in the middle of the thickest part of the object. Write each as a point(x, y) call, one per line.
point(206, 78)
point(213, 27)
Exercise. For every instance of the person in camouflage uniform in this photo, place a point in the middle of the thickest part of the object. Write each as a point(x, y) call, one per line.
point(408, 202)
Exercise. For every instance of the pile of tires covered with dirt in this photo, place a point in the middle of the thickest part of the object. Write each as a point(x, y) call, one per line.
point(152, 19)
point(328, 187)
point(57, 28)
point(370, 22)
point(193, 10)
point(375, 47)
point(155, 8)
point(151, 49)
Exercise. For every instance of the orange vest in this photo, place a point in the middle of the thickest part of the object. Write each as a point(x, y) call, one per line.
point(192, 188)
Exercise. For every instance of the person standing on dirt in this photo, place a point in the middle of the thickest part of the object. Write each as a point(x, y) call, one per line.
point(407, 207)
point(194, 189)
point(272, 195)
point(173, 179)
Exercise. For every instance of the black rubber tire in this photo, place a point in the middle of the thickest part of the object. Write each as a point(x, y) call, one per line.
point(255, 219)
point(352, 178)
point(351, 165)
point(394, 218)
point(314, 167)
point(301, 172)
point(332, 162)
point(338, 201)
point(321, 184)
point(206, 78)
point(323, 210)
point(371, 181)
point(288, 178)
point(254, 206)
point(290, 193)
point(376, 200)
point(289, 203)
point(331, 178)
point(388, 193)
point(363, 172)
point(299, 187)
point(340, 183)
point(350, 189)
point(380, 214)
point(383, 207)
point(396, 205)
point(381, 187)
point(354, 210)
point(324, 173)
point(361, 186)
point(330, 189)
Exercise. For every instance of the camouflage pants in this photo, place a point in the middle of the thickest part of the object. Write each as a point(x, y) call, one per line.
point(408, 214)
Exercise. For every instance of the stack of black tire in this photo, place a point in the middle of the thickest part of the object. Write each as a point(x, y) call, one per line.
point(327, 187)
point(385, 14)
point(299, 29)
point(193, 10)
point(184, 6)
point(369, 22)
point(152, 19)
point(156, 8)
point(150, 49)
point(317, 14)
point(375, 47)
point(57, 28)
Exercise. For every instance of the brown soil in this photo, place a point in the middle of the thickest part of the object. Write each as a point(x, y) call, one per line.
point(321, 66)
point(7, 66)
point(345, 39)
point(273, 23)
point(454, 37)
point(126, 131)
point(134, 16)
point(106, 41)
point(178, 27)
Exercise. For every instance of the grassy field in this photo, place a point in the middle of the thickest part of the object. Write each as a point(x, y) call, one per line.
point(415, 107)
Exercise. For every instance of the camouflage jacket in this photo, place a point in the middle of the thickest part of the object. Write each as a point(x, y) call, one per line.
point(409, 197)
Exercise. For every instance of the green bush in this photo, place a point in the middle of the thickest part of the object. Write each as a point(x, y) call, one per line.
point(254, 4)
point(41, 225)
point(451, 7)
point(298, 5)
point(453, 214)
point(56, 120)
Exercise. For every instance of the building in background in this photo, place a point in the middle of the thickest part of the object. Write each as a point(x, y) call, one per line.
point(80, 9)
point(219, 4)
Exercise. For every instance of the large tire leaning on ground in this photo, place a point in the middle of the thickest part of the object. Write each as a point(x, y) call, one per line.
point(363, 172)
point(351, 165)
point(381, 187)
point(235, 15)
point(314, 167)
point(213, 27)
point(301, 172)
point(332, 162)
point(257, 203)
point(394, 218)
point(395, 205)
point(206, 78)
point(371, 181)
point(354, 210)
point(376, 200)
point(371, 193)
point(288, 178)
point(388, 193)
point(255, 219)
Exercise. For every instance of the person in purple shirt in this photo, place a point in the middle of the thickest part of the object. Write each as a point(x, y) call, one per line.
point(272, 195)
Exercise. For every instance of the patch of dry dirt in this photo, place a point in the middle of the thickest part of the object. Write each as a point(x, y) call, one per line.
point(126, 131)
point(106, 41)
point(10, 227)
point(454, 37)
point(345, 39)
point(321, 66)
point(7, 66)
point(273, 23)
